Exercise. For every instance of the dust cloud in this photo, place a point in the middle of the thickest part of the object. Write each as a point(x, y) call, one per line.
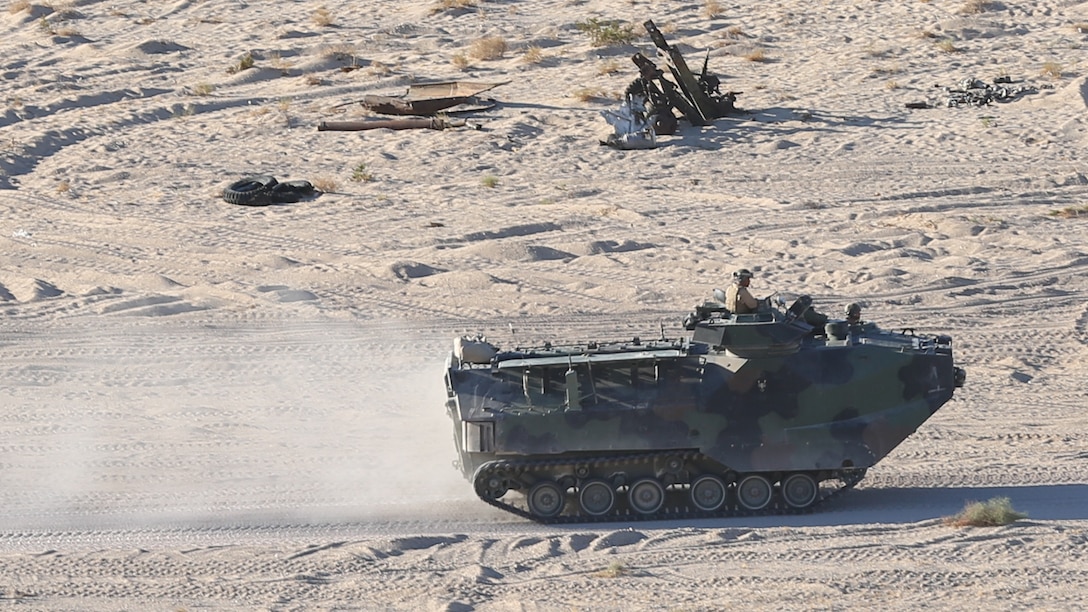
point(143, 423)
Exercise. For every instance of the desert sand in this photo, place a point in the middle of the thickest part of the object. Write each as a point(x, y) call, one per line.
point(211, 406)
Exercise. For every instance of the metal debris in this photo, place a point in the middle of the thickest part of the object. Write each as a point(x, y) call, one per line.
point(651, 98)
point(427, 99)
point(975, 92)
point(633, 128)
point(435, 123)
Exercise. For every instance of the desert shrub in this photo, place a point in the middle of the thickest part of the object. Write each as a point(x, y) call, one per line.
point(323, 17)
point(244, 63)
point(532, 55)
point(947, 46)
point(360, 174)
point(607, 32)
point(735, 33)
point(609, 67)
point(993, 513)
point(1052, 70)
point(615, 569)
point(488, 48)
point(490, 181)
point(460, 61)
point(448, 5)
point(974, 7)
point(756, 55)
point(712, 9)
point(325, 184)
point(1070, 212)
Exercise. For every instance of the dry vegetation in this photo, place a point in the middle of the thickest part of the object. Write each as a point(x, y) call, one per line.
point(712, 9)
point(947, 46)
point(1070, 212)
point(448, 5)
point(756, 55)
point(974, 7)
point(244, 63)
point(607, 32)
point(323, 17)
point(1052, 70)
point(735, 33)
point(609, 67)
point(360, 174)
point(993, 513)
point(532, 55)
point(588, 94)
point(488, 48)
point(325, 184)
point(615, 569)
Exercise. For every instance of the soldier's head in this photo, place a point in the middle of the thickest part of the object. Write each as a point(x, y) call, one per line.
point(743, 276)
point(853, 313)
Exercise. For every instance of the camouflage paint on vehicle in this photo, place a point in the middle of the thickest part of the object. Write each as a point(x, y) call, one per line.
point(764, 395)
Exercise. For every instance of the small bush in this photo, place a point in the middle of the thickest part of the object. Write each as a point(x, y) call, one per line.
point(490, 181)
point(460, 61)
point(448, 5)
point(605, 33)
point(615, 569)
point(712, 9)
point(735, 33)
point(585, 94)
point(203, 89)
point(1052, 70)
point(994, 513)
point(533, 55)
point(488, 48)
point(1070, 212)
point(974, 7)
point(361, 175)
point(323, 18)
point(947, 46)
point(244, 63)
point(325, 184)
point(756, 55)
point(608, 68)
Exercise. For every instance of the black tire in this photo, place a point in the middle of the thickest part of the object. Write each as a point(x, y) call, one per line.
point(292, 191)
point(252, 191)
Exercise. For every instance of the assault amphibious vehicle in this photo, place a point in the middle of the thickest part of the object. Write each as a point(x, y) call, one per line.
point(771, 412)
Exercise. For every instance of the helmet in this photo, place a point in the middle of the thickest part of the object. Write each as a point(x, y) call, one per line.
point(743, 273)
point(853, 309)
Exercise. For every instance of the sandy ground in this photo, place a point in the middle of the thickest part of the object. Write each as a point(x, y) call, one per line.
point(209, 406)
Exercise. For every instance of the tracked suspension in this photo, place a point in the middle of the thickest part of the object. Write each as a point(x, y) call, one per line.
point(648, 486)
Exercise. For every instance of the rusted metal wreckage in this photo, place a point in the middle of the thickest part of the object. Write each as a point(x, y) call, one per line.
point(650, 99)
point(421, 100)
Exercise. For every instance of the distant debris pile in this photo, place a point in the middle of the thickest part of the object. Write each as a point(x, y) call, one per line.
point(975, 92)
point(651, 98)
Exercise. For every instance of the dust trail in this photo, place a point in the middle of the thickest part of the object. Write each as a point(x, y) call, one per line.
point(135, 423)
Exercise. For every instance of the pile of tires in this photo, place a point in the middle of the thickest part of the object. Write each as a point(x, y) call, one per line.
point(265, 190)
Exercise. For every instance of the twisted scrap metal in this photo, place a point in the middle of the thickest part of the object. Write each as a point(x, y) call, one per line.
point(974, 92)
